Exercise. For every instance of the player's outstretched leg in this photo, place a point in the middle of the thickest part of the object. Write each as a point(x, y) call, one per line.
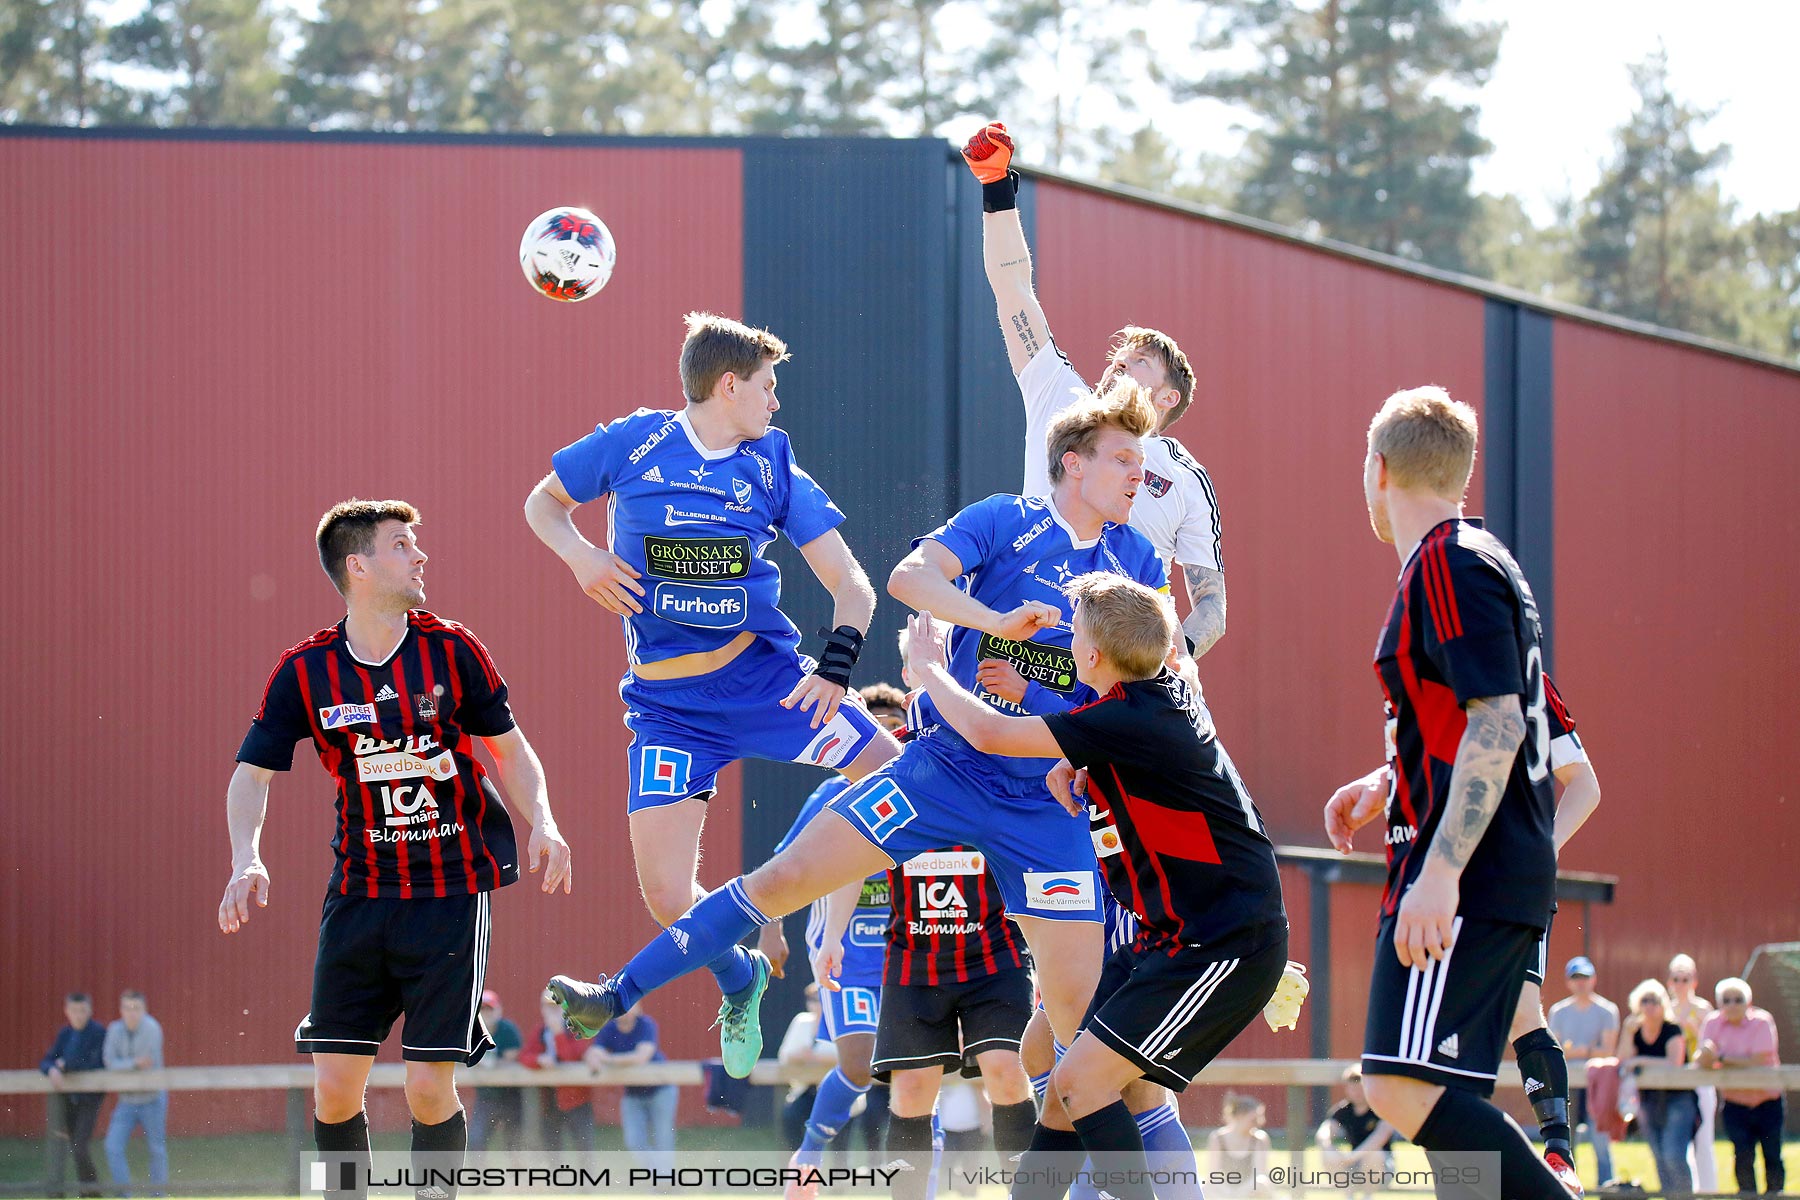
point(828, 854)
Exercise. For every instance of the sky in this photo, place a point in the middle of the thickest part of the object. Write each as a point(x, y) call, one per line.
point(1561, 87)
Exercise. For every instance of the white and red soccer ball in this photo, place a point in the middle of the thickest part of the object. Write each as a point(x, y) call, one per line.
point(567, 254)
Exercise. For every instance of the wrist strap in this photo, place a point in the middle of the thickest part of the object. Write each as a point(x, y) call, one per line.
point(843, 646)
point(1002, 195)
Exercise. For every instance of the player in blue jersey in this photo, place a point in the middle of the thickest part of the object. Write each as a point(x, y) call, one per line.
point(693, 499)
point(996, 570)
point(846, 940)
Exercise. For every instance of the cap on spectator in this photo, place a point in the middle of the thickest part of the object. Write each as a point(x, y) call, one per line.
point(491, 998)
point(1580, 967)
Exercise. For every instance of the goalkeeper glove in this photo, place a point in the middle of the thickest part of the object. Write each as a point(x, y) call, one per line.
point(989, 155)
point(1283, 1009)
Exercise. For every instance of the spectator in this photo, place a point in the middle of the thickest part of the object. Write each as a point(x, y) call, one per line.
point(1668, 1117)
point(646, 1111)
point(1586, 1025)
point(569, 1115)
point(80, 1045)
point(1241, 1147)
point(1738, 1035)
point(498, 1108)
point(1352, 1137)
point(804, 1051)
point(1690, 1012)
point(134, 1042)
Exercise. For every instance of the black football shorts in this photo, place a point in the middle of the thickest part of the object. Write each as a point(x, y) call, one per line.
point(1171, 1014)
point(1540, 958)
point(950, 1024)
point(380, 958)
point(1448, 1022)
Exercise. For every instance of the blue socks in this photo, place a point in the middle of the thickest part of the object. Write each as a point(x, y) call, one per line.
point(831, 1108)
point(735, 969)
point(706, 933)
point(1167, 1147)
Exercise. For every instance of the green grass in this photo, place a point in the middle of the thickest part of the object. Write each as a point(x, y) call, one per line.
point(256, 1164)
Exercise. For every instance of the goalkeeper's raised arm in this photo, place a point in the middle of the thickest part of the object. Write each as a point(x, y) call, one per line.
point(1003, 249)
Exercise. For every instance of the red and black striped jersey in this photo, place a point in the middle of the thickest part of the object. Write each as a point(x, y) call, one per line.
point(1176, 832)
point(1463, 626)
point(947, 923)
point(417, 815)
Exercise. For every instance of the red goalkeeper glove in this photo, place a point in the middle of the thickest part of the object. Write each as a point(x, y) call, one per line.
point(989, 153)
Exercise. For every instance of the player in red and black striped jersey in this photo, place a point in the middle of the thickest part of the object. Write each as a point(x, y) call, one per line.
point(1183, 847)
point(1469, 808)
point(955, 995)
point(393, 699)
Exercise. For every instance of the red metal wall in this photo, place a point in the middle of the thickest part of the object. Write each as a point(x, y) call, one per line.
point(205, 345)
point(1676, 578)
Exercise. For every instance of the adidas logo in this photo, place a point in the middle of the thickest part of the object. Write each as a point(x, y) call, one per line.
point(1532, 1085)
point(653, 475)
point(1170, 1056)
point(387, 692)
point(1448, 1047)
point(680, 938)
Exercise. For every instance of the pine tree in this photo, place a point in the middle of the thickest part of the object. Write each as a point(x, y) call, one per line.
point(49, 52)
point(1656, 239)
point(217, 57)
point(1357, 139)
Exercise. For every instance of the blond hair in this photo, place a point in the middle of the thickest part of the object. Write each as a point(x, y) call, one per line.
point(1732, 983)
point(1176, 369)
point(1650, 989)
point(1427, 440)
point(1125, 406)
point(715, 345)
point(1131, 625)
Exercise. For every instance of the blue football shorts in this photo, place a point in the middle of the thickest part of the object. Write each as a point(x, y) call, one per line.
point(940, 793)
point(685, 731)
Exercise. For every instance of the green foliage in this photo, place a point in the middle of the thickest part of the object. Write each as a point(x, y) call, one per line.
point(1359, 138)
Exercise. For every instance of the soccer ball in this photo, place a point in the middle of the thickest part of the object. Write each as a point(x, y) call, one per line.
point(567, 254)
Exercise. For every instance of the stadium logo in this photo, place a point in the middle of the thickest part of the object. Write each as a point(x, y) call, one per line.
point(1025, 539)
point(946, 862)
point(1071, 890)
point(702, 607)
point(650, 442)
point(883, 809)
point(663, 771)
point(340, 715)
point(1159, 487)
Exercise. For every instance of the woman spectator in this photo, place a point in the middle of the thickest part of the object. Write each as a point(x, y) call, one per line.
point(1690, 1011)
point(1668, 1117)
point(1241, 1148)
point(1739, 1035)
point(646, 1111)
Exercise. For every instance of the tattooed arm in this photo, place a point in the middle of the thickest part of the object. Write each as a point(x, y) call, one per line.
point(1008, 262)
point(1205, 625)
point(1484, 759)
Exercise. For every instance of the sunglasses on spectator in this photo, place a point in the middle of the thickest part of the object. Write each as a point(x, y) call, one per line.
point(1731, 1000)
point(1681, 979)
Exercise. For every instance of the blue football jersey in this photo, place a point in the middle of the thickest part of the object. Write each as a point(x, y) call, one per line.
point(694, 523)
point(865, 941)
point(1014, 549)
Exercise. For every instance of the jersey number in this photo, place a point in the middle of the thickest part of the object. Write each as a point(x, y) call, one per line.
point(1537, 718)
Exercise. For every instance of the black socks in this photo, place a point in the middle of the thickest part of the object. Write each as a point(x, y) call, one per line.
point(440, 1147)
point(909, 1142)
point(348, 1142)
point(1013, 1127)
point(1466, 1122)
point(1546, 1074)
point(1048, 1165)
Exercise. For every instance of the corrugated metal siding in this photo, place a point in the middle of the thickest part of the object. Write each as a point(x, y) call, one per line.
point(206, 345)
point(1675, 534)
point(1294, 351)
